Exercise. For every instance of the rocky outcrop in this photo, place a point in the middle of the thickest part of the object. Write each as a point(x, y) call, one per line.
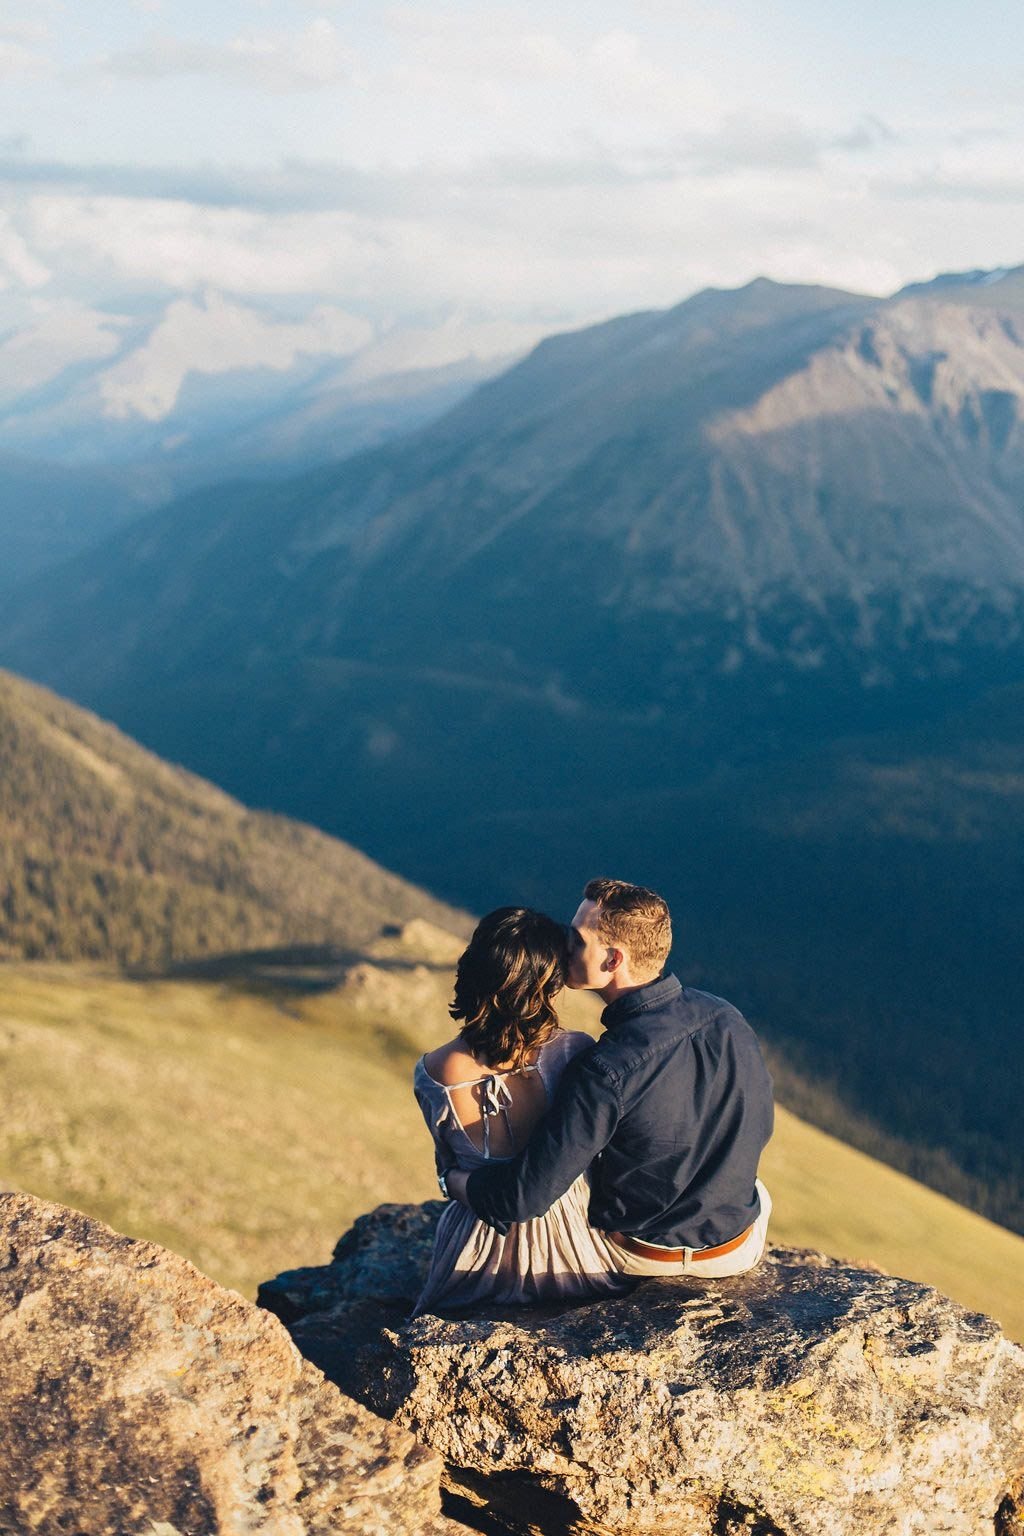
point(810, 1398)
point(137, 1396)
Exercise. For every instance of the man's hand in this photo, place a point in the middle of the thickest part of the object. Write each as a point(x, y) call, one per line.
point(457, 1179)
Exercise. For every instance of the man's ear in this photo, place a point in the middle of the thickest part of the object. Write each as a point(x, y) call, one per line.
point(613, 959)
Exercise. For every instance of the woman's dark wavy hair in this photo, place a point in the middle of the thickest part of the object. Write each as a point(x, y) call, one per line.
point(505, 982)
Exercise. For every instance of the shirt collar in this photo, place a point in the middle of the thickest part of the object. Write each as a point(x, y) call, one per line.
point(653, 994)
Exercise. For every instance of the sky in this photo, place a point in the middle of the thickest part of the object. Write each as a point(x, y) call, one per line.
point(487, 173)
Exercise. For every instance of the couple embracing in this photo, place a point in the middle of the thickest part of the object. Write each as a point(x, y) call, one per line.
point(574, 1166)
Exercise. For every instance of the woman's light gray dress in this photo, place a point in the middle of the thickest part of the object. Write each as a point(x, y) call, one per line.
point(557, 1256)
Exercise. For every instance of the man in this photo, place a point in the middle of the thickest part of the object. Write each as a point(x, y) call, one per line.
point(670, 1111)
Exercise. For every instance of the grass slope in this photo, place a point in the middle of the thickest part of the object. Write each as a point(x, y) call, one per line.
point(246, 1125)
point(108, 852)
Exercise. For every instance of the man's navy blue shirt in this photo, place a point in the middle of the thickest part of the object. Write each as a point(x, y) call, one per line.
point(670, 1112)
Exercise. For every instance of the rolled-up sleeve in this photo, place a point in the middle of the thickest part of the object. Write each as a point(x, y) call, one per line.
point(580, 1123)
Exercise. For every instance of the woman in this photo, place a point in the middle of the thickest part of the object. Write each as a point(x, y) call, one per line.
point(481, 1095)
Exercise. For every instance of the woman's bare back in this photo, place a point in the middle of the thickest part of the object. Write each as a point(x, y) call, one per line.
point(523, 1097)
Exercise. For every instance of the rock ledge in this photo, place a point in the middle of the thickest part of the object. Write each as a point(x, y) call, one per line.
point(139, 1397)
point(810, 1398)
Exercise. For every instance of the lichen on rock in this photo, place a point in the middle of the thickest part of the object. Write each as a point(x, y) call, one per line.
point(809, 1398)
point(138, 1396)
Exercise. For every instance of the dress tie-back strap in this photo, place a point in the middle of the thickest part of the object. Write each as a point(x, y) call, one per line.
point(495, 1099)
point(475, 1082)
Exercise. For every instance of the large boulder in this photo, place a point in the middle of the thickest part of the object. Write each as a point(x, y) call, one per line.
point(137, 1396)
point(810, 1398)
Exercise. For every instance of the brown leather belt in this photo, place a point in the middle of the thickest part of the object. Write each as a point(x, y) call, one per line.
point(676, 1255)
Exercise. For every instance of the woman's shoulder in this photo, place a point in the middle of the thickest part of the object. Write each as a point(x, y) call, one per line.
point(449, 1065)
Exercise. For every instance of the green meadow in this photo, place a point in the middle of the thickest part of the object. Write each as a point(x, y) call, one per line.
point(246, 1122)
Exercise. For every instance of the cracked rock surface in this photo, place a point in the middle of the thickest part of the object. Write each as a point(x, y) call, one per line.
point(810, 1398)
point(138, 1396)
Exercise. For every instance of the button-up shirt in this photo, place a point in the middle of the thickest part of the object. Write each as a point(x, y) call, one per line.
point(670, 1111)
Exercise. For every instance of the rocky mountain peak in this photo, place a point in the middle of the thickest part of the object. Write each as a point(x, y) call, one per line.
point(962, 367)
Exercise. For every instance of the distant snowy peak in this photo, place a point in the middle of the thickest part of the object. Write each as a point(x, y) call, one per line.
point(69, 367)
point(212, 335)
point(999, 285)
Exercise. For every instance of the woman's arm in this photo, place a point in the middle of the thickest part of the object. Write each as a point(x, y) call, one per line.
point(433, 1103)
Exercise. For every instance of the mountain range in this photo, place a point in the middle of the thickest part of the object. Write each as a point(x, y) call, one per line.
point(821, 478)
point(107, 416)
point(728, 599)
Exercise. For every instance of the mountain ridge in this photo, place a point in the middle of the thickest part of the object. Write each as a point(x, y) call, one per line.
point(109, 852)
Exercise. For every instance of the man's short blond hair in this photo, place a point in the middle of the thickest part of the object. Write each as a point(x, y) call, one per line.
point(634, 919)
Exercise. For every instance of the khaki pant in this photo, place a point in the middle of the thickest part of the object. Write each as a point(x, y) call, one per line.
point(745, 1257)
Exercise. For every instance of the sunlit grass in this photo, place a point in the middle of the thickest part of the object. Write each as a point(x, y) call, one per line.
point(244, 1131)
point(828, 1195)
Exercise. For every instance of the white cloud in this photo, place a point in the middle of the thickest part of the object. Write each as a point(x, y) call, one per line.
point(276, 62)
point(559, 252)
point(290, 185)
point(981, 167)
point(215, 336)
point(617, 65)
point(21, 29)
point(944, 188)
point(60, 334)
point(738, 141)
point(495, 43)
point(751, 140)
point(399, 263)
point(18, 266)
point(486, 81)
point(148, 243)
point(867, 133)
point(22, 53)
